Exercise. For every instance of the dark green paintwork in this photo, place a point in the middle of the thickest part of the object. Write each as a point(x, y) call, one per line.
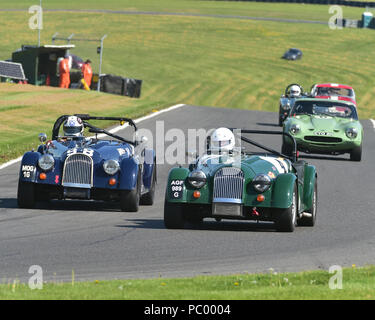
point(279, 195)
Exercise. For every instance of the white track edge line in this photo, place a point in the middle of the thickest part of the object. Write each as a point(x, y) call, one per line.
point(113, 130)
point(373, 123)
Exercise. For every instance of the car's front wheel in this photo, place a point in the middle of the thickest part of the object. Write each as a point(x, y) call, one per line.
point(173, 215)
point(129, 199)
point(286, 219)
point(26, 195)
point(280, 117)
point(356, 154)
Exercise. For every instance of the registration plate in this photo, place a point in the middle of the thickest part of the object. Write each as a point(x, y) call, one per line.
point(227, 209)
point(324, 133)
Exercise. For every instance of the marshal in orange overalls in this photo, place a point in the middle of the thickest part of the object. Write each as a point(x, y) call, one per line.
point(64, 73)
point(87, 73)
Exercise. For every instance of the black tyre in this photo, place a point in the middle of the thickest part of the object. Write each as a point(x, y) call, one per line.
point(194, 219)
point(26, 195)
point(356, 154)
point(286, 219)
point(310, 221)
point(129, 199)
point(147, 199)
point(280, 120)
point(173, 216)
point(286, 149)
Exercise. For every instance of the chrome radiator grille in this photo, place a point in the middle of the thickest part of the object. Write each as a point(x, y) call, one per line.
point(78, 171)
point(228, 185)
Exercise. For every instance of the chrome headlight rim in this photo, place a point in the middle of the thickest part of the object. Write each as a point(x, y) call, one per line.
point(111, 167)
point(351, 133)
point(295, 129)
point(197, 179)
point(46, 162)
point(261, 183)
point(286, 106)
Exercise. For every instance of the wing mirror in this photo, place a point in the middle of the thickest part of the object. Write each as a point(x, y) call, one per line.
point(192, 154)
point(42, 137)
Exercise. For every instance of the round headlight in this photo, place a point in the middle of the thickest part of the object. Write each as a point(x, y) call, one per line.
point(261, 183)
point(46, 162)
point(286, 105)
point(351, 133)
point(294, 129)
point(197, 179)
point(111, 167)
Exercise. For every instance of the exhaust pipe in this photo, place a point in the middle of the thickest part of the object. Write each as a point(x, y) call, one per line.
point(306, 215)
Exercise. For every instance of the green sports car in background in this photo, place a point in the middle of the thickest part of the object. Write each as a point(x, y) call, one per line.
point(324, 127)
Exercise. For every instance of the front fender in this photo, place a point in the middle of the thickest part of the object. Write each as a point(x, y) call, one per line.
point(129, 174)
point(309, 185)
point(180, 191)
point(28, 168)
point(282, 191)
point(176, 185)
point(148, 167)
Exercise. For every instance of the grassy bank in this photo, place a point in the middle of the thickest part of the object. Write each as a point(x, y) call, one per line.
point(357, 283)
point(194, 60)
point(241, 8)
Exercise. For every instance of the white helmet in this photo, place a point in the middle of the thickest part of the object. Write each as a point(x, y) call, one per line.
point(73, 127)
point(222, 139)
point(295, 91)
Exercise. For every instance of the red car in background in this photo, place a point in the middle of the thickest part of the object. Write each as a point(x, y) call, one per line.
point(333, 91)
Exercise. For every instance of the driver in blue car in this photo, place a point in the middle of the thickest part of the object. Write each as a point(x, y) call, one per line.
point(73, 127)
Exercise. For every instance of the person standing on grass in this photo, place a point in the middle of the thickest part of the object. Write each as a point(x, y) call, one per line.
point(87, 72)
point(64, 73)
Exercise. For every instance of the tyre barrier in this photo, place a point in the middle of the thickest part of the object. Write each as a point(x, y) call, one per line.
point(359, 4)
point(120, 86)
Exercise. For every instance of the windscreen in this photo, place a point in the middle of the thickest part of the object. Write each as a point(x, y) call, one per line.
point(332, 91)
point(324, 108)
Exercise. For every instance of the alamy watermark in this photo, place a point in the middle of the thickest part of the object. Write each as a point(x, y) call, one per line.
point(36, 20)
point(335, 282)
point(335, 21)
point(36, 280)
point(178, 147)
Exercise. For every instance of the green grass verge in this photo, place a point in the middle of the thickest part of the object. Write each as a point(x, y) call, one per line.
point(240, 8)
point(194, 60)
point(357, 283)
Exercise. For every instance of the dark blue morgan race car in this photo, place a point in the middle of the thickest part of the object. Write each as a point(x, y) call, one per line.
point(72, 166)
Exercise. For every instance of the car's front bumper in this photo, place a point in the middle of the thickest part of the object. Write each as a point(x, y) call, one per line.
point(332, 145)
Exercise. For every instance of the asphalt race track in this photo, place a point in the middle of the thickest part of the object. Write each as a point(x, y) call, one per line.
point(98, 241)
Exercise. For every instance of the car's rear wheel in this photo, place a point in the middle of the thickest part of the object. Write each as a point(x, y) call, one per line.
point(147, 199)
point(356, 154)
point(286, 219)
point(129, 199)
point(26, 195)
point(173, 215)
point(309, 220)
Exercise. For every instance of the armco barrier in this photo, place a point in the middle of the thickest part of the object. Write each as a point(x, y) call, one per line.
point(359, 4)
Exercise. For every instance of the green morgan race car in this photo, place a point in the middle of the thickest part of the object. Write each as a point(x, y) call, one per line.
point(324, 126)
point(243, 185)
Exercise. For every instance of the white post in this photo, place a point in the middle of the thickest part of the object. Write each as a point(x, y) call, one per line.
point(101, 60)
point(39, 23)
